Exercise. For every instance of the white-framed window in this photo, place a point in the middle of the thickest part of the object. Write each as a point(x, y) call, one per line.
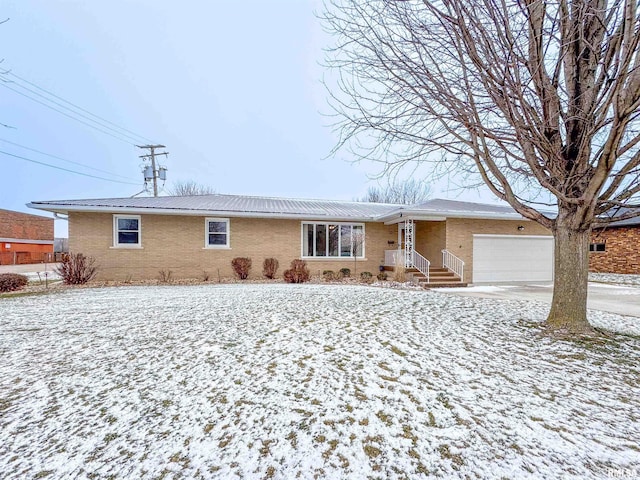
point(216, 233)
point(597, 247)
point(332, 239)
point(127, 231)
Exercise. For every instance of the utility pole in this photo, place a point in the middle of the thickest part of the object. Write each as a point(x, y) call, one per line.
point(152, 156)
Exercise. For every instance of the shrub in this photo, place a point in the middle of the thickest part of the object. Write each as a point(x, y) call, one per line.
point(399, 274)
point(366, 277)
point(12, 281)
point(164, 276)
point(270, 267)
point(382, 276)
point(298, 273)
point(241, 265)
point(76, 268)
point(328, 275)
point(345, 272)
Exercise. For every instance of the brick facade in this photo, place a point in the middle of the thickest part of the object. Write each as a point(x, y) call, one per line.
point(24, 238)
point(622, 250)
point(25, 226)
point(177, 244)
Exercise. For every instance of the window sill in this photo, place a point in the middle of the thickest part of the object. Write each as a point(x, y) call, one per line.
point(126, 247)
point(221, 247)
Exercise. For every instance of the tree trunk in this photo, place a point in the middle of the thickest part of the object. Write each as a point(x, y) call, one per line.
point(569, 304)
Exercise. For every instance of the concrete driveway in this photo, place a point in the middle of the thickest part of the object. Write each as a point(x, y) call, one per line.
point(623, 300)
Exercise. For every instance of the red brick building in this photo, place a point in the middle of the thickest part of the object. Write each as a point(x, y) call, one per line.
point(616, 248)
point(25, 238)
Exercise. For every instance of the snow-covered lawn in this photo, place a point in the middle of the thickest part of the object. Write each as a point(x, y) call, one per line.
point(311, 381)
point(615, 278)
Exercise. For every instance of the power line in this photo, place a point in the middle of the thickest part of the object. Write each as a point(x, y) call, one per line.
point(125, 135)
point(61, 158)
point(120, 136)
point(65, 169)
point(67, 115)
point(78, 107)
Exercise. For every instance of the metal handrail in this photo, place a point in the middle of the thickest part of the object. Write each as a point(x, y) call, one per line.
point(398, 257)
point(421, 264)
point(453, 263)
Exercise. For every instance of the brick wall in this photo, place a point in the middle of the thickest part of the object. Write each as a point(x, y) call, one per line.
point(176, 243)
point(460, 233)
point(622, 254)
point(430, 240)
point(25, 226)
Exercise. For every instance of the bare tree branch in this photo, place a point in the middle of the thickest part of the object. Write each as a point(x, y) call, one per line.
point(403, 192)
point(537, 98)
point(190, 188)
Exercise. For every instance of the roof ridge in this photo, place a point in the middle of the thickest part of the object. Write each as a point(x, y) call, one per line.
point(298, 199)
point(230, 195)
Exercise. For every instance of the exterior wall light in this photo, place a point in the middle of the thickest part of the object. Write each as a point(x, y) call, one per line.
point(520, 228)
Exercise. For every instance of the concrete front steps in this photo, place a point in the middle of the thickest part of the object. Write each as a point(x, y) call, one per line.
point(438, 277)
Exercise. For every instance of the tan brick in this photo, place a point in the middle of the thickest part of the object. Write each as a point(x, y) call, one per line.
point(176, 243)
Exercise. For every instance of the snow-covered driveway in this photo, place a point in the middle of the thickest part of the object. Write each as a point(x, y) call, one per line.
point(307, 381)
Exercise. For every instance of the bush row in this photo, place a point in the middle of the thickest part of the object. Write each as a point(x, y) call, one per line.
point(77, 269)
point(297, 273)
point(367, 277)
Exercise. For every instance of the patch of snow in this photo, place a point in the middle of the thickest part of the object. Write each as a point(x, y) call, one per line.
point(474, 289)
point(305, 381)
point(41, 276)
point(615, 278)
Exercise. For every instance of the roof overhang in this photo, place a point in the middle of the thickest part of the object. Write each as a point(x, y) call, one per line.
point(423, 218)
point(442, 216)
point(66, 209)
point(26, 240)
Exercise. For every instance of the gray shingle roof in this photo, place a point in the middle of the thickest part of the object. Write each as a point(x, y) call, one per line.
point(629, 222)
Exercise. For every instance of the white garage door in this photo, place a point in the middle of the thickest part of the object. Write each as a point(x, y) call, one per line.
point(510, 258)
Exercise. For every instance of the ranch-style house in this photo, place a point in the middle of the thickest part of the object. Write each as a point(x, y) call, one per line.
point(135, 238)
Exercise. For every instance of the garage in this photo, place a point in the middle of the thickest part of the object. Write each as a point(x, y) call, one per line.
point(512, 258)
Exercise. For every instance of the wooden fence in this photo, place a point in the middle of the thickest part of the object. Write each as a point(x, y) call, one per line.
point(21, 258)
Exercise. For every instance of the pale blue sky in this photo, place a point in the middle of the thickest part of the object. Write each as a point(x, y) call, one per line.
point(231, 88)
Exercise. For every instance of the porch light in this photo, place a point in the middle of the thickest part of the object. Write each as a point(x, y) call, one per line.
point(520, 228)
point(390, 242)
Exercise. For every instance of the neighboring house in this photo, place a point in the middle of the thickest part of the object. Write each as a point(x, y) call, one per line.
point(25, 238)
point(616, 248)
point(136, 238)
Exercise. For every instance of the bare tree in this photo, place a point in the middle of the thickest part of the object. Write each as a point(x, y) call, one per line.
point(407, 192)
point(188, 188)
point(539, 98)
point(357, 242)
